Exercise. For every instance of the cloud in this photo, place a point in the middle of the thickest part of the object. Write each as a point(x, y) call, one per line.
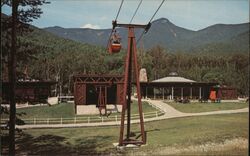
point(103, 18)
point(91, 26)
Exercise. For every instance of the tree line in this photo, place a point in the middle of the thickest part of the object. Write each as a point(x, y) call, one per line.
point(59, 59)
point(48, 57)
point(230, 69)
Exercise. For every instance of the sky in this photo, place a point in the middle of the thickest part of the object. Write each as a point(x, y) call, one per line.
point(98, 14)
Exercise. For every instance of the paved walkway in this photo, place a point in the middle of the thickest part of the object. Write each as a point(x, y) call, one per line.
point(25, 105)
point(169, 111)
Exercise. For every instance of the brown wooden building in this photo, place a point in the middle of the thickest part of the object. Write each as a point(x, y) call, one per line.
point(28, 91)
point(228, 93)
point(86, 88)
point(176, 87)
point(169, 88)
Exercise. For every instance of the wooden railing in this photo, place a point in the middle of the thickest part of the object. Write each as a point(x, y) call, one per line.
point(84, 119)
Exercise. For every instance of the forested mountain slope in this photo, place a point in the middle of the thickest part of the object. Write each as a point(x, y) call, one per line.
point(168, 35)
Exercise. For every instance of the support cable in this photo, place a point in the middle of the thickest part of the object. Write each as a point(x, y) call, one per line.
point(135, 11)
point(149, 23)
point(138, 40)
point(119, 10)
point(157, 10)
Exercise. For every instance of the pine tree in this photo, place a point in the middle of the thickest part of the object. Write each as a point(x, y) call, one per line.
point(23, 12)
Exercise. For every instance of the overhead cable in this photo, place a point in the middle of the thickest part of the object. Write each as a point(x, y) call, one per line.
point(149, 23)
point(157, 10)
point(119, 10)
point(135, 12)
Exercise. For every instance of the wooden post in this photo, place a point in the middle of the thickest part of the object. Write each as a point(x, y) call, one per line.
point(163, 93)
point(200, 92)
point(154, 92)
point(172, 93)
point(182, 93)
point(191, 93)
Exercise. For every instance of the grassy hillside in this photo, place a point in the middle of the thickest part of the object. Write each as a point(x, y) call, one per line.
point(63, 57)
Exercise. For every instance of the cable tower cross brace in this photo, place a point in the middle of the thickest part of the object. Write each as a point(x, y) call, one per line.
point(131, 62)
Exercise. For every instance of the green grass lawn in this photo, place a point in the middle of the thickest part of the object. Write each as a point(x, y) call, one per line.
point(206, 107)
point(179, 132)
point(66, 110)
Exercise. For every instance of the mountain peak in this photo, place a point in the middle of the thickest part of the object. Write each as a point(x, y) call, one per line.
point(162, 20)
point(54, 27)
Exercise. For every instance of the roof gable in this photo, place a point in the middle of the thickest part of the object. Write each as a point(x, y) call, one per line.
point(173, 79)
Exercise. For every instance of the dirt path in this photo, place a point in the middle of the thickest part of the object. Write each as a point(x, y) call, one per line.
point(169, 111)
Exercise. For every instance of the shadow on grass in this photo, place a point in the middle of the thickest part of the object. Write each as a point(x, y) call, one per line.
point(4, 144)
point(137, 134)
point(58, 145)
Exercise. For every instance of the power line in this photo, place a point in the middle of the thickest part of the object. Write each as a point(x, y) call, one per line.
point(115, 20)
point(135, 12)
point(149, 23)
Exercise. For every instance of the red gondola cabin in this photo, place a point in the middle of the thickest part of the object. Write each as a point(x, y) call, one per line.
point(114, 43)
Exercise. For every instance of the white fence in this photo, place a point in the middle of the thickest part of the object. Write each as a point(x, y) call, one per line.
point(84, 119)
